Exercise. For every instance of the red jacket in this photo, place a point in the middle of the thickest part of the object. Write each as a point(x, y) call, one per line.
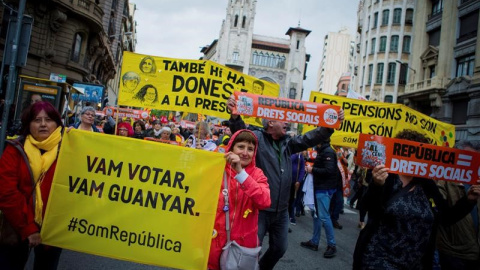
point(17, 189)
point(245, 201)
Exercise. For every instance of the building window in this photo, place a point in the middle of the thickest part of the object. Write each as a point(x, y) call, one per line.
point(363, 75)
point(244, 20)
point(394, 44)
point(432, 71)
point(370, 73)
point(379, 73)
point(292, 93)
point(388, 99)
point(298, 44)
point(235, 57)
point(281, 64)
point(402, 80)
point(373, 45)
point(375, 20)
point(77, 47)
point(434, 37)
point(367, 97)
point(385, 15)
point(460, 108)
point(114, 4)
point(465, 65)
point(409, 16)
point(254, 58)
point(111, 27)
point(236, 21)
point(406, 44)
point(437, 7)
point(397, 16)
point(366, 47)
point(383, 44)
point(468, 26)
point(391, 73)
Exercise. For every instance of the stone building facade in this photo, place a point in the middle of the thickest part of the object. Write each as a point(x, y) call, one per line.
point(82, 39)
point(446, 64)
point(337, 59)
point(383, 46)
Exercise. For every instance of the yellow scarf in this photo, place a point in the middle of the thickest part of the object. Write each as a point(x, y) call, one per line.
point(41, 163)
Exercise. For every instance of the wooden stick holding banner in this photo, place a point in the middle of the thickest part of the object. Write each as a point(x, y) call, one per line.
point(419, 159)
point(287, 110)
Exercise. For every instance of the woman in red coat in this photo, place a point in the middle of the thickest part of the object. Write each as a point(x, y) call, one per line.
point(248, 193)
point(26, 173)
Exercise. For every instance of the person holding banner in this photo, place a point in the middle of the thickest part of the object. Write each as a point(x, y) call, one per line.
point(200, 139)
point(154, 132)
point(87, 120)
point(274, 158)
point(403, 215)
point(248, 192)
point(124, 129)
point(139, 129)
point(165, 133)
point(27, 167)
point(458, 244)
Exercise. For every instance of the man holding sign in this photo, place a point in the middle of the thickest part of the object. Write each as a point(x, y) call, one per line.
point(274, 158)
point(407, 207)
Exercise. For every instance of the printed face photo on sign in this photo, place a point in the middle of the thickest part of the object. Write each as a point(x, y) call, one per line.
point(130, 81)
point(258, 87)
point(147, 65)
point(148, 94)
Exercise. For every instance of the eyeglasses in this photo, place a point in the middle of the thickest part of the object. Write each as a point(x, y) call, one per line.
point(89, 114)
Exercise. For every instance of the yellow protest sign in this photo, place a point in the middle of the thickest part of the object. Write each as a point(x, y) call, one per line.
point(134, 200)
point(383, 119)
point(195, 86)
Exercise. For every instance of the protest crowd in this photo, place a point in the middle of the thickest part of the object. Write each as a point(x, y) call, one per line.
point(272, 177)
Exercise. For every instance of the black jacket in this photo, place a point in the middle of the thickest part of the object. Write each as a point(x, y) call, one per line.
point(376, 199)
point(325, 170)
point(277, 166)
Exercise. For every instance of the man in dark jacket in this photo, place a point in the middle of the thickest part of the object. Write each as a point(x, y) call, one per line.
point(273, 157)
point(325, 180)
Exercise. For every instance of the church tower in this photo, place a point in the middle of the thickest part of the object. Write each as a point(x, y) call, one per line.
point(235, 40)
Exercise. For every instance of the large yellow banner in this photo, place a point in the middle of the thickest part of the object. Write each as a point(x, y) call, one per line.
point(195, 86)
point(135, 200)
point(383, 119)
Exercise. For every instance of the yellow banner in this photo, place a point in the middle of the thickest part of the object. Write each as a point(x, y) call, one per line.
point(195, 86)
point(134, 200)
point(383, 119)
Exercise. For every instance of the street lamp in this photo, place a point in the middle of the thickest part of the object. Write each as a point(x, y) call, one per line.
point(401, 63)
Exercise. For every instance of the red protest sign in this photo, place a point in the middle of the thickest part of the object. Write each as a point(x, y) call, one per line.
point(419, 159)
point(125, 112)
point(287, 110)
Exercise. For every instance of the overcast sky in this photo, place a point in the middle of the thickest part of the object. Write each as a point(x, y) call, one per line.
point(179, 28)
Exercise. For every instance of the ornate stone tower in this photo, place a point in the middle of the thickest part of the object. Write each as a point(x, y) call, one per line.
point(235, 40)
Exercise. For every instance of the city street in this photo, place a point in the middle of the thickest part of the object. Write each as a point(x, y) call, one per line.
point(295, 258)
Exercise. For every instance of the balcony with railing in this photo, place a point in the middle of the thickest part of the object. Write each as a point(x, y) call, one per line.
point(86, 8)
point(433, 83)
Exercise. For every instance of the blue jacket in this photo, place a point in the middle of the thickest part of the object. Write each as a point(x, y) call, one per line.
point(298, 168)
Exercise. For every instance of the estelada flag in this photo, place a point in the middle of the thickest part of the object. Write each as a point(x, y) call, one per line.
point(418, 159)
point(287, 110)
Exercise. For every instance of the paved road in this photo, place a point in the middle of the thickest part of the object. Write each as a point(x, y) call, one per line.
point(296, 258)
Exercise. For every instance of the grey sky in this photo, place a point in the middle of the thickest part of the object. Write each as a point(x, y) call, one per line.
point(179, 28)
